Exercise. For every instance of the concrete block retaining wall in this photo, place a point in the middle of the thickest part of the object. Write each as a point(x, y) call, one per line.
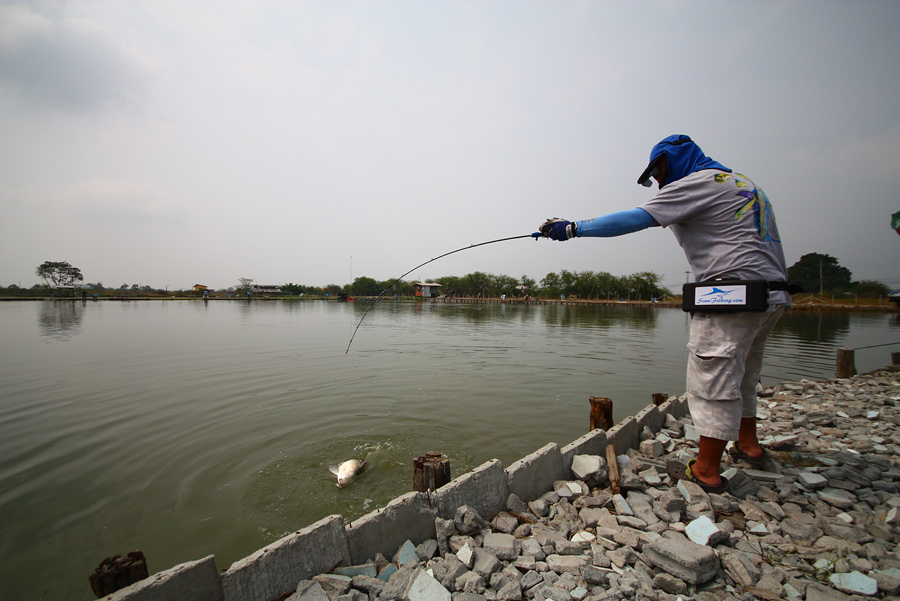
point(378, 532)
point(277, 569)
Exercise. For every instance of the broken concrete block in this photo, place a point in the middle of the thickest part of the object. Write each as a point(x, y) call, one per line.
point(683, 558)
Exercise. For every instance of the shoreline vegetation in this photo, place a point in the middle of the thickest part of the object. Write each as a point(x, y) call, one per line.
point(802, 302)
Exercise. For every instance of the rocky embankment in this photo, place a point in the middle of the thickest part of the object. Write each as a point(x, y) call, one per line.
point(823, 526)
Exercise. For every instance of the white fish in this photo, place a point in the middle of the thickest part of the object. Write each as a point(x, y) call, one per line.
point(346, 471)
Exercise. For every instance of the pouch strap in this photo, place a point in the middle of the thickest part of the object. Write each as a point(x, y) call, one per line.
point(786, 286)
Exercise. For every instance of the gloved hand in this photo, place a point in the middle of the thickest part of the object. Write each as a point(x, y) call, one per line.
point(557, 229)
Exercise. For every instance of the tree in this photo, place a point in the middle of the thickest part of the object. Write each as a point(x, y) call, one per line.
point(506, 284)
point(476, 284)
point(551, 284)
point(244, 285)
point(818, 273)
point(59, 273)
point(645, 285)
point(527, 283)
point(452, 285)
point(870, 289)
point(295, 289)
point(364, 286)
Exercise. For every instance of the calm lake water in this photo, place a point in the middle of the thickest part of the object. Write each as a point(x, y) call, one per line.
point(185, 428)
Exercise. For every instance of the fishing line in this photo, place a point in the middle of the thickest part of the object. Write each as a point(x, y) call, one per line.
point(391, 285)
point(876, 345)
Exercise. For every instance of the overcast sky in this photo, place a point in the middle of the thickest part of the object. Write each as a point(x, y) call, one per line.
point(169, 143)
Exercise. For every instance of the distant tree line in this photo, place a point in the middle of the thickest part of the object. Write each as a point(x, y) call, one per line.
point(821, 274)
point(584, 284)
point(817, 273)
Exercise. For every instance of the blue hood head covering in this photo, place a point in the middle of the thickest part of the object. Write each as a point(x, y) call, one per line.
point(682, 157)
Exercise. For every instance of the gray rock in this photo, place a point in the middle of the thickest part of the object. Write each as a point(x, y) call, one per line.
point(739, 483)
point(515, 505)
point(470, 582)
point(820, 592)
point(486, 563)
point(651, 448)
point(551, 593)
point(540, 507)
point(838, 498)
point(366, 569)
point(468, 521)
point(741, 568)
point(530, 580)
point(447, 571)
point(684, 559)
point(466, 555)
point(352, 595)
point(622, 556)
point(567, 547)
point(593, 574)
point(566, 563)
point(800, 532)
point(405, 554)
point(532, 548)
point(887, 583)
point(396, 586)
point(444, 530)
point(704, 531)
point(512, 591)
point(369, 584)
point(333, 584)
point(505, 522)
point(812, 481)
point(423, 586)
point(468, 597)
point(309, 590)
point(592, 469)
point(670, 584)
point(855, 583)
point(504, 547)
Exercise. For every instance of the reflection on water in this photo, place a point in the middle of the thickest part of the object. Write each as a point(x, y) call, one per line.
point(816, 326)
point(185, 428)
point(60, 320)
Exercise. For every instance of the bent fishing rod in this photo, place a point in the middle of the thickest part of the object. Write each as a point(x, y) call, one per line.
point(391, 285)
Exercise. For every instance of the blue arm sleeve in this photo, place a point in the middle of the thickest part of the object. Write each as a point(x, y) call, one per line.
point(616, 224)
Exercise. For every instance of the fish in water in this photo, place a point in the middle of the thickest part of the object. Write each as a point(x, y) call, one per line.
point(346, 471)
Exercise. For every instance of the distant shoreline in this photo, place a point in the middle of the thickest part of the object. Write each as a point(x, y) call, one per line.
point(798, 305)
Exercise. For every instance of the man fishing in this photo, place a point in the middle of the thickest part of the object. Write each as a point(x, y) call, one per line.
point(726, 226)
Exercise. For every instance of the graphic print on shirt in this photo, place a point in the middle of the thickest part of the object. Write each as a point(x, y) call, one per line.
point(758, 201)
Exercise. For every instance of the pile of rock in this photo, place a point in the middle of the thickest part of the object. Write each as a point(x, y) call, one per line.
point(823, 526)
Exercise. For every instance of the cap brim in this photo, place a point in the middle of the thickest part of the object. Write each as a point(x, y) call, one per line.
point(650, 171)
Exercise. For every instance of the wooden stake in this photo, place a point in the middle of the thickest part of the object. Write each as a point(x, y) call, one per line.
point(601, 413)
point(430, 472)
point(613, 465)
point(117, 572)
point(659, 398)
point(895, 358)
point(846, 364)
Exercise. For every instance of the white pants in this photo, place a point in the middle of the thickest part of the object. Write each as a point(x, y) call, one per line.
point(724, 363)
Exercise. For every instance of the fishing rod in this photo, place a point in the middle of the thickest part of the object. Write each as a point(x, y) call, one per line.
point(391, 285)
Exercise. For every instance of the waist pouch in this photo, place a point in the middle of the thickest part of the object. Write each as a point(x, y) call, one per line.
point(719, 296)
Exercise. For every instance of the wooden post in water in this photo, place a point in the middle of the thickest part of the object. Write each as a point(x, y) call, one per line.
point(601, 413)
point(895, 358)
point(430, 472)
point(846, 364)
point(659, 398)
point(117, 572)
